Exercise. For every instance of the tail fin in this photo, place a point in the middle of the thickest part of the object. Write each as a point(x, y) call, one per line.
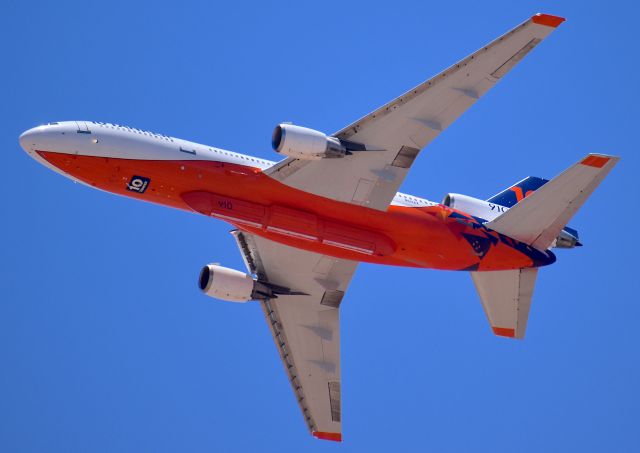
point(539, 218)
point(518, 191)
point(568, 237)
point(506, 298)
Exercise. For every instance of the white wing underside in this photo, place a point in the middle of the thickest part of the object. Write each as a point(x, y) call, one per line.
point(397, 131)
point(305, 328)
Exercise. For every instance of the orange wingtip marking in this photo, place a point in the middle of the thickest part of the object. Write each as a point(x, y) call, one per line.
point(504, 332)
point(547, 19)
point(337, 437)
point(595, 161)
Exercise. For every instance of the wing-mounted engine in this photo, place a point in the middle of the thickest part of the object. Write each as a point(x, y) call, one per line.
point(477, 208)
point(235, 286)
point(308, 144)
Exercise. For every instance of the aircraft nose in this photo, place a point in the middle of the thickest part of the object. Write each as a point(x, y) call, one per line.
point(29, 138)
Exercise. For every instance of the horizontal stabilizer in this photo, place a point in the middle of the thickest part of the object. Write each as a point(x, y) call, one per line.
point(506, 299)
point(539, 218)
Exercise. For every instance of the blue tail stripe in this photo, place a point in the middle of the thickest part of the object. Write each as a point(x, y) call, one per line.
point(508, 196)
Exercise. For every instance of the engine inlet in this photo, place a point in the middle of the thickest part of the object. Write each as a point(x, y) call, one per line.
point(205, 277)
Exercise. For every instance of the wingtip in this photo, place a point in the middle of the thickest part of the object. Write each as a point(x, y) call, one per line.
point(336, 437)
point(547, 20)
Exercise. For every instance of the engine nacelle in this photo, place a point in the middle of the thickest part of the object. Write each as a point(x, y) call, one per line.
point(235, 286)
point(226, 284)
point(477, 208)
point(304, 143)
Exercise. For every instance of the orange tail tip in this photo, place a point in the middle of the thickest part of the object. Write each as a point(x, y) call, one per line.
point(595, 161)
point(547, 19)
point(337, 437)
point(504, 332)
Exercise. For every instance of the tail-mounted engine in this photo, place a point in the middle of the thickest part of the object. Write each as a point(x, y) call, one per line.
point(308, 144)
point(477, 208)
point(235, 286)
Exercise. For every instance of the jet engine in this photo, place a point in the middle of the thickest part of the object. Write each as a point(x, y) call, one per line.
point(226, 284)
point(236, 286)
point(308, 144)
point(477, 208)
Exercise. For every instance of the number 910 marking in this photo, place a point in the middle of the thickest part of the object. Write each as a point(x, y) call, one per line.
point(138, 184)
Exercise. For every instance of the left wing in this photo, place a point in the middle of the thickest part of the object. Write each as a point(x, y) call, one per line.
point(305, 328)
point(395, 133)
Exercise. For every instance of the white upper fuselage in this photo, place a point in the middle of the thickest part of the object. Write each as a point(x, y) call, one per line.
point(91, 138)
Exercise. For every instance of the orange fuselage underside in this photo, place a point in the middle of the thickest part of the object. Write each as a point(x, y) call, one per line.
point(435, 237)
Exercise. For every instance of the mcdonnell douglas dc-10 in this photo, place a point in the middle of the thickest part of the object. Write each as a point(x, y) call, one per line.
point(303, 224)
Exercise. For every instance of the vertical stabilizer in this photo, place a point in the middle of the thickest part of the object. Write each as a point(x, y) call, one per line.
point(517, 192)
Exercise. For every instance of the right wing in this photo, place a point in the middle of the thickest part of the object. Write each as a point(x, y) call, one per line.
point(305, 328)
point(397, 131)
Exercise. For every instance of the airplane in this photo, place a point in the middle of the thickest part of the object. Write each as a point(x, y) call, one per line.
point(303, 224)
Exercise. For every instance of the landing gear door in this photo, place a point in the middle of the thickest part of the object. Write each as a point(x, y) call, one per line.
point(83, 127)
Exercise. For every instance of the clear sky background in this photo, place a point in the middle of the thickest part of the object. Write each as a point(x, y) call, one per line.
point(106, 344)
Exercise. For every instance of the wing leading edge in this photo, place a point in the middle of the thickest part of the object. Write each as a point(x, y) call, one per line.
point(401, 128)
point(305, 328)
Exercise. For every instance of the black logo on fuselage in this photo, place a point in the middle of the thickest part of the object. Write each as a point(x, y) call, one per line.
point(138, 184)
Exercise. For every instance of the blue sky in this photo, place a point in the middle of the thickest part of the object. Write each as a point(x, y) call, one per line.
point(106, 343)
